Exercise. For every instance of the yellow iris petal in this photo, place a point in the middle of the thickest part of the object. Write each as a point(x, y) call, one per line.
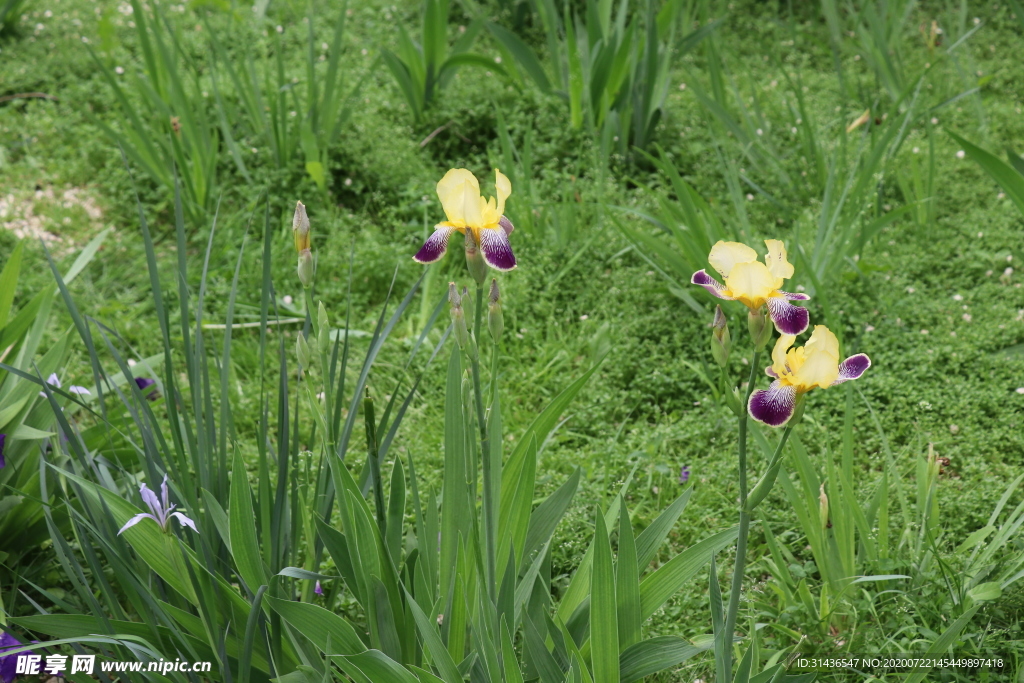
point(752, 283)
point(779, 353)
point(457, 190)
point(725, 256)
point(777, 262)
point(504, 188)
point(819, 366)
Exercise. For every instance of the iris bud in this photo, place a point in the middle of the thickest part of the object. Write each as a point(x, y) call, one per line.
point(823, 507)
point(305, 268)
point(475, 259)
point(760, 327)
point(720, 340)
point(302, 351)
point(458, 317)
point(324, 325)
point(495, 320)
point(300, 228)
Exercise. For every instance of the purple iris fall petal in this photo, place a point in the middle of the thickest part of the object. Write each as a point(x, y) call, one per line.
point(773, 406)
point(788, 319)
point(436, 245)
point(709, 283)
point(684, 474)
point(496, 249)
point(144, 383)
point(852, 368)
point(9, 663)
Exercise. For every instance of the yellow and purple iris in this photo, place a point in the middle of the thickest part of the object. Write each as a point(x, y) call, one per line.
point(480, 220)
point(798, 370)
point(755, 284)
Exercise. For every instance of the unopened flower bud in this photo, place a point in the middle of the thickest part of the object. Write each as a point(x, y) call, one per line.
point(475, 259)
point(720, 340)
point(324, 325)
point(823, 507)
point(760, 327)
point(305, 268)
point(458, 317)
point(302, 351)
point(300, 228)
point(495, 320)
point(467, 300)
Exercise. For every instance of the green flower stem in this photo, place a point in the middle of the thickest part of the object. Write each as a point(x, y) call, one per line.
point(311, 313)
point(488, 494)
point(374, 457)
point(741, 542)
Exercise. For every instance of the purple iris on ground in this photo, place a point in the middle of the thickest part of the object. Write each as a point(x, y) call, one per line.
point(684, 474)
point(9, 663)
point(3, 463)
point(160, 510)
point(144, 383)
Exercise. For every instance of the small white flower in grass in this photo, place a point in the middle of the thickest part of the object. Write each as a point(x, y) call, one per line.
point(348, 182)
point(793, 130)
point(958, 297)
point(293, 114)
point(1001, 195)
point(869, 328)
point(910, 290)
point(497, 60)
point(750, 197)
point(760, 132)
point(924, 331)
point(966, 317)
point(365, 52)
point(682, 86)
point(584, 317)
point(916, 150)
point(119, 70)
point(953, 429)
point(980, 235)
point(279, 28)
point(254, 150)
point(287, 299)
point(977, 21)
point(1020, 390)
point(960, 154)
point(935, 121)
point(988, 273)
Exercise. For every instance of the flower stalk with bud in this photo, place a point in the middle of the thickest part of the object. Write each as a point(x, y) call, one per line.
point(758, 286)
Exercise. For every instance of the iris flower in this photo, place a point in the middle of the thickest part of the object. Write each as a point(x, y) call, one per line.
point(480, 220)
point(8, 663)
point(797, 371)
point(756, 284)
point(160, 510)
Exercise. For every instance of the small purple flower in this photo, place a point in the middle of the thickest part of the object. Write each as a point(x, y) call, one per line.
point(53, 381)
point(3, 463)
point(144, 383)
point(160, 511)
point(684, 474)
point(9, 663)
point(318, 589)
point(81, 391)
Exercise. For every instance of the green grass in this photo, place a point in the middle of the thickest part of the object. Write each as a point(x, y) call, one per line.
point(930, 303)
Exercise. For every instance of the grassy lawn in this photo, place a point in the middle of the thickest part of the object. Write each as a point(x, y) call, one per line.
point(936, 298)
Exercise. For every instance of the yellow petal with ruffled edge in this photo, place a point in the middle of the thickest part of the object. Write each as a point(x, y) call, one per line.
point(820, 367)
point(503, 187)
point(779, 353)
point(725, 255)
point(752, 283)
point(458, 191)
point(777, 262)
